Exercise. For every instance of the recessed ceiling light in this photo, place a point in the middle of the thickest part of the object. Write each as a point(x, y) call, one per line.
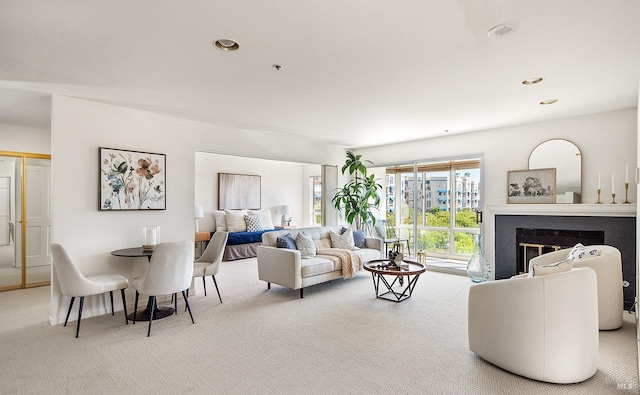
point(532, 81)
point(547, 102)
point(226, 45)
point(503, 30)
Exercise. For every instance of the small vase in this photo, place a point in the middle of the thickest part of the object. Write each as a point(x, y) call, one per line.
point(478, 268)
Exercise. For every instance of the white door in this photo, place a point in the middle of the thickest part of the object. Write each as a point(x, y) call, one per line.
point(38, 212)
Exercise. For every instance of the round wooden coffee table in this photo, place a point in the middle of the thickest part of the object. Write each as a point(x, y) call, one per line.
point(412, 270)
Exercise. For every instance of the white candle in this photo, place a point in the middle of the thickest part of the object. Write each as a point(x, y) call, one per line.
point(598, 180)
point(626, 173)
point(613, 188)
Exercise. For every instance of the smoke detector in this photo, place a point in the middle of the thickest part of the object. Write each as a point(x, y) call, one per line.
point(503, 30)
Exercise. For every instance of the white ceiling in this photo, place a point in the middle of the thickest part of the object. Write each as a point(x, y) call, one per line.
point(354, 73)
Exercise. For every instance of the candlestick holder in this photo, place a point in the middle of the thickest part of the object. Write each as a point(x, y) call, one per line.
point(613, 198)
point(599, 202)
point(626, 193)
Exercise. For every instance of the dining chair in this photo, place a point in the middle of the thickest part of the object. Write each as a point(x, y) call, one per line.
point(209, 263)
point(387, 232)
point(170, 271)
point(74, 284)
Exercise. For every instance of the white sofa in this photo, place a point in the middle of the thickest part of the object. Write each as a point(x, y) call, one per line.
point(286, 267)
point(608, 268)
point(544, 328)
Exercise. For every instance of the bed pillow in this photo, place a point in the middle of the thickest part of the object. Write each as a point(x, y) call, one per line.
point(221, 220)
point(286, 241)
point(305, 245)
point(550, 268)
point(343, 241)
point(254, 223)
point(235, 220)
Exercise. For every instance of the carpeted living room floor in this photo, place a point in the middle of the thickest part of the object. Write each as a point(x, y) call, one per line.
point(339, 339)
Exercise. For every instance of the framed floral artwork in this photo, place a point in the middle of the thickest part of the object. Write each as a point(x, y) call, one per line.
point(132, 180)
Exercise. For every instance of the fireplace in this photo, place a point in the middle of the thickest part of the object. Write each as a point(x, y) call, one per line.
point(616, 231)
point(531, 242)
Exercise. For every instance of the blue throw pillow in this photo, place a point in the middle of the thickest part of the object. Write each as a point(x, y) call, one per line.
point(286, 241)
point(358, 237)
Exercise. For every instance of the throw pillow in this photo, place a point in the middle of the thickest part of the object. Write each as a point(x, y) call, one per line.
point(286, 241)
point(344, 241)
point(221, 220)
point(305, 245)
point(265, 217)
point(235, 220)
point(359, 237)
point(254, 223)
point(551, 268)
point(322, 243)
point(579, 252)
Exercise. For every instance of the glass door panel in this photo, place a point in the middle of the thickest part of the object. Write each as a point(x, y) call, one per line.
point(467, 191)
point(10, 223)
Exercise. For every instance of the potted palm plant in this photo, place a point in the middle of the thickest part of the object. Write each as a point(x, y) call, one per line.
point(359, 196)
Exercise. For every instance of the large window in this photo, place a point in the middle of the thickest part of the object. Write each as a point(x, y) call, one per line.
point(434, 205)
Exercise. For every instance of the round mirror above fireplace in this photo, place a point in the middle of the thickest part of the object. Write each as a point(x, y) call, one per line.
point(565, 156)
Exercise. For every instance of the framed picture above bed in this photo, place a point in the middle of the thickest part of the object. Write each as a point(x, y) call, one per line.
point(238, 191)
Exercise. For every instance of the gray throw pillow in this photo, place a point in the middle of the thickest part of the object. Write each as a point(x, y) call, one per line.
point(305, 245)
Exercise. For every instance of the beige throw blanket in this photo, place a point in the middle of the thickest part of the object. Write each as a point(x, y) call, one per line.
point(351, 262)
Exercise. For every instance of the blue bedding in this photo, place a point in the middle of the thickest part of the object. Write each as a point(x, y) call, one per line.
point(245, 237)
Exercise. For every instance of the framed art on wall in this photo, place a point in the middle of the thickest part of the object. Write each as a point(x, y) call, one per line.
point(531, 186)
point(238, 191)
point(132, 180)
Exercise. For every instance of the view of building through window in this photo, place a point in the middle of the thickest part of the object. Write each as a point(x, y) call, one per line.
point(316, 204)
point(434, 205)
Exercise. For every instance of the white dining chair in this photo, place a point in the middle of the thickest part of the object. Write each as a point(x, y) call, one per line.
point(209, 263)
point(74, 284)
point(170, 271)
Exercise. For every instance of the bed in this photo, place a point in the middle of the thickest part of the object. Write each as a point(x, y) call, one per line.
point(242, 245)
point(243, 239)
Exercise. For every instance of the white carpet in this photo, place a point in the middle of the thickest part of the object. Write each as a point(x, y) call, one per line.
point(339, 339)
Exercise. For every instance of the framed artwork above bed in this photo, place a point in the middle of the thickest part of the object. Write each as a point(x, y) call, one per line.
point(238, 191)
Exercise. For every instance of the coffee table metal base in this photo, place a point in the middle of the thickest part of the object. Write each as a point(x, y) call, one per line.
point(394, 295)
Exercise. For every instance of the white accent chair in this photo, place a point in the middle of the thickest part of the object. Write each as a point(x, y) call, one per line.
point(544, 328)
point(170, 271)
point(608, 268)
point(74, 284)
point(209, 263)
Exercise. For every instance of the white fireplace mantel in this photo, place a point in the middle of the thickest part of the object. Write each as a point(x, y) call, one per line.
point(598, 210)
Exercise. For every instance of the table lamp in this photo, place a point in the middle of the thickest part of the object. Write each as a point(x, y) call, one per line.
point(199, 214)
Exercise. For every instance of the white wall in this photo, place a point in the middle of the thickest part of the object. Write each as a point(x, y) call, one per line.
point(80, 127)
point(281, 183)
point(24, 139)
point(607, 141)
